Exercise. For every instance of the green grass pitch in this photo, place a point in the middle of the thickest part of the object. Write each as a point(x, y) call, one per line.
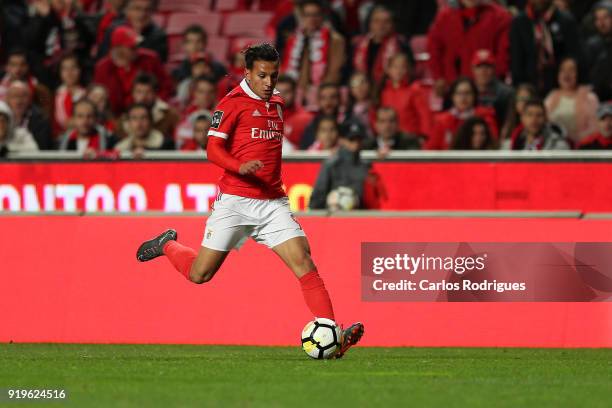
point(189, 375)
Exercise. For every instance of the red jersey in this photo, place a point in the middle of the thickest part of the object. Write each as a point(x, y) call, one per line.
point(253, 129)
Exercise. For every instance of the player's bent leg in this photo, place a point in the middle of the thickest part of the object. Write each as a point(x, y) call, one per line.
point(295, 252)
point(206, 265)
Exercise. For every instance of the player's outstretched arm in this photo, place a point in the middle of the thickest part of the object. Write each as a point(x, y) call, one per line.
point(218, 154)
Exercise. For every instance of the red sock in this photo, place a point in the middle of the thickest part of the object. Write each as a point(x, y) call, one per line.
point(180, 256)
point(316, 295)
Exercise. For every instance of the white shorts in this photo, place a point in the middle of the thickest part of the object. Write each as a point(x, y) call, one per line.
point(234, 219)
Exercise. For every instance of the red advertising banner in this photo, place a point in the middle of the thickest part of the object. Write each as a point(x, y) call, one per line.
point(190, 186)
point(76, 279)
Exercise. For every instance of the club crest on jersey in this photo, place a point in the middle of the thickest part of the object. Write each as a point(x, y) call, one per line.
point(216, 119)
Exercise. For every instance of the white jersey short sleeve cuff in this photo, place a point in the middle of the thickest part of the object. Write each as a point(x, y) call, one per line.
point(217, 134)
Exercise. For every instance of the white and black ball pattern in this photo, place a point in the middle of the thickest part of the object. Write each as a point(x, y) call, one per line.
point(321, 338)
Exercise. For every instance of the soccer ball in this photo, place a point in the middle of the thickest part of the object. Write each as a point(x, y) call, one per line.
point(321, 338)
point(342, 198)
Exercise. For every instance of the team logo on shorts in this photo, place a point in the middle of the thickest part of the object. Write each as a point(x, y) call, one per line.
point(209, 234)
point(216, 119)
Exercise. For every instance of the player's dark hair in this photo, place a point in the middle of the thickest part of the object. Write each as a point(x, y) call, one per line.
point(196, 29)
point(145, 79)
point(140, 106)
point(286, 79)
point(260, 52)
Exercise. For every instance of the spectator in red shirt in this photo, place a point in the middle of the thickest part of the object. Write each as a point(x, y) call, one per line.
point(459, 31)
point(602, 139)
point(117, 70)
point(295, 118)
point(373, 50)
point(408, 99)
point(68, 93)
point(361, 105)
point(86, 137)
point(463, 96)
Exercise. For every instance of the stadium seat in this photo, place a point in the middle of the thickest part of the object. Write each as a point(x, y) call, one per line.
point(160, 19)
point(266, 5)
point(175, 46)
point(185, 6)
point(240, 43)
point(177, 22)
point(219, 47)
point(246, 24)
point(227, 5)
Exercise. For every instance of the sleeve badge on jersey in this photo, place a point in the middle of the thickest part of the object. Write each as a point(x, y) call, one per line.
point(216, 119)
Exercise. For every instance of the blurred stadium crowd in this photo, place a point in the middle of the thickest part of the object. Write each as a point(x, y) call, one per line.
point(107, 77)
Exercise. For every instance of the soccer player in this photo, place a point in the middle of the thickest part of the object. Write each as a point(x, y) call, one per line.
point(245, 139)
